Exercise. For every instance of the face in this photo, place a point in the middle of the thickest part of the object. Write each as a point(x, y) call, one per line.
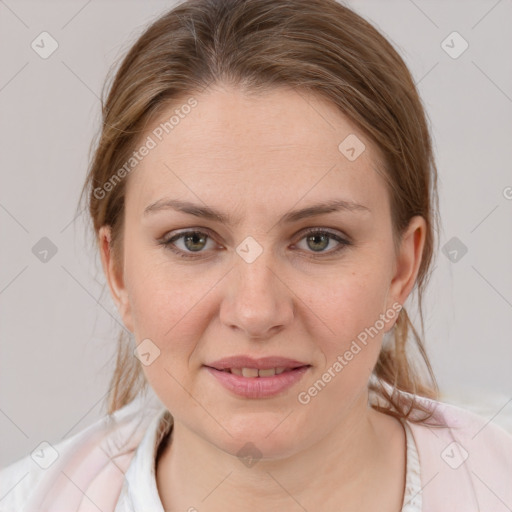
point(258, 280)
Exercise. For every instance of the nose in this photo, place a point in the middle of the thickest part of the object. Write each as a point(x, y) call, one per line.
point(257, 301)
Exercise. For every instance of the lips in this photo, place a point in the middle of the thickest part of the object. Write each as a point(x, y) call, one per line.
point(253, 378)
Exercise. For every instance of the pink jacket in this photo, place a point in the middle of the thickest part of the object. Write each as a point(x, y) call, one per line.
point(465, 467)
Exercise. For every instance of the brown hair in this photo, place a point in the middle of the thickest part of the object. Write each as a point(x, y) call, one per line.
point(318, 46)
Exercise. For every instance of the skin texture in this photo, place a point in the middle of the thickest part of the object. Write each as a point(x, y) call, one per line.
point(256, 158)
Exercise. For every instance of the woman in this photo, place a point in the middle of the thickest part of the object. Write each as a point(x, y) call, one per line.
point(264, 198)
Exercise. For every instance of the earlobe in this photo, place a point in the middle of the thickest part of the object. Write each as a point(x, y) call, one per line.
point(408, 260)
point(114, 275)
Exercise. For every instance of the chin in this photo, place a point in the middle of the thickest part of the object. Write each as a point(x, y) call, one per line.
point(262, 438)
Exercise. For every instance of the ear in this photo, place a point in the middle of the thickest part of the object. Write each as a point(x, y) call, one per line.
point(408, 260)
point(114, 276)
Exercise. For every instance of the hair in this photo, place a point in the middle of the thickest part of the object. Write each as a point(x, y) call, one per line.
point(315, 46)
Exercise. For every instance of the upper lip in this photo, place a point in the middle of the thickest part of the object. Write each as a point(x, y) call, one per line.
point(263, 363)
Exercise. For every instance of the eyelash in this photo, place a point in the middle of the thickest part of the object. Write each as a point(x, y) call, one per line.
point(169, 243)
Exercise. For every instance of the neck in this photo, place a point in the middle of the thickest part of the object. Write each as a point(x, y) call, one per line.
point(365, 451)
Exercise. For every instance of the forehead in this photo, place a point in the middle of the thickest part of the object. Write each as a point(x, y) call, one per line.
point(276, 146)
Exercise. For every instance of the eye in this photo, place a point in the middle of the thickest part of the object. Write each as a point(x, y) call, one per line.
point(317, 240)
point(192, 242)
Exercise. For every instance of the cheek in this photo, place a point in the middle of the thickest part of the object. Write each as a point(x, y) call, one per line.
point(350, 309)
point(169, 312)
point(166, 308)
point(159, 294)
point(172, 308)
point(352, 302)
point(350, 347)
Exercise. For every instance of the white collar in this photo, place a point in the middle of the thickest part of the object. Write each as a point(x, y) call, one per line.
point(139, 490)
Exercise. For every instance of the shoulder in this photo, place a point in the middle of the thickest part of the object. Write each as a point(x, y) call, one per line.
point(60, 476)
point(465, 459)
point(466, 427)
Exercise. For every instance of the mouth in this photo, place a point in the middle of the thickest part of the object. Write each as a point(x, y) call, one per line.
point(257, 378)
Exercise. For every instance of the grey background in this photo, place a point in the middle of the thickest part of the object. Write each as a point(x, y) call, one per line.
point(58, 324)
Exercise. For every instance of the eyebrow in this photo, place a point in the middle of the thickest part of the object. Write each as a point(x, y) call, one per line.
point(206, 212)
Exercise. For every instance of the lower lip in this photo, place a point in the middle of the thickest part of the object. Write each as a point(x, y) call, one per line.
point(258, 387)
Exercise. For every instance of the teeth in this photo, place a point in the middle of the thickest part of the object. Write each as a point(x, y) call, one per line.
point(249, 372)
point(254, 372)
